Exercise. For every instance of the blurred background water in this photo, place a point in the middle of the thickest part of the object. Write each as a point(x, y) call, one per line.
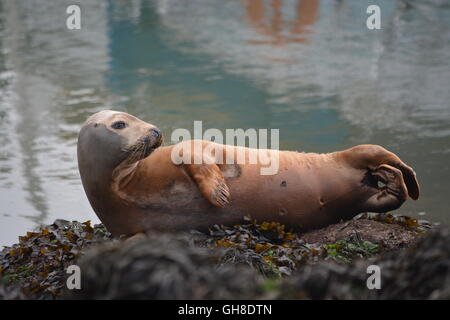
point(308, 67)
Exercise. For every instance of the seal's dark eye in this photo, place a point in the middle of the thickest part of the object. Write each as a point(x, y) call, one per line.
point(118, 125)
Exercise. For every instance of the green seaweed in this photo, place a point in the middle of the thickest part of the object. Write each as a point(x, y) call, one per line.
point(346, 251)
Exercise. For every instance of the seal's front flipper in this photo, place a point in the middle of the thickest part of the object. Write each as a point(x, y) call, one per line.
point(210, 182)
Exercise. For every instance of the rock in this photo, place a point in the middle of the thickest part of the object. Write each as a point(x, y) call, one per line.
point(227, 262)
point(419, 272)
point(387, 236)
point(161, 266)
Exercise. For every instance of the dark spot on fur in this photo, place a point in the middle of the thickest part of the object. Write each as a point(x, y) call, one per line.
point(282, 212)
point(321, 203)
point(230, 170)
point(283, 184)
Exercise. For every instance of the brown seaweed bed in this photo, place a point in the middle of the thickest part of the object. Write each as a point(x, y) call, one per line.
point(247, 261)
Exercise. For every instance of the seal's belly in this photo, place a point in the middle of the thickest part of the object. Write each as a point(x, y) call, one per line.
point(291, 197)
point(304, 193)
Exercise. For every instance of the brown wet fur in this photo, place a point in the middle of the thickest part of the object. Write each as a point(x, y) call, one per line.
point(309, 191)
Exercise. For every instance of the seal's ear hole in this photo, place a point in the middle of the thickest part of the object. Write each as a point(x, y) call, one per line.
point(118, 125)
point(96, 125)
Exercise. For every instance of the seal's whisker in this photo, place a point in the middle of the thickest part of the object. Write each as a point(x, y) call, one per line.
point(144, 151)
point(141, 153)
point(140, 150)
point(134, 154)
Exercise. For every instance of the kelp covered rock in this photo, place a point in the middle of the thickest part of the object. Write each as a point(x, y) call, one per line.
point(162, 266)
point(273, 251)
point(38, 263)
point(419, 272)
point(168, 268)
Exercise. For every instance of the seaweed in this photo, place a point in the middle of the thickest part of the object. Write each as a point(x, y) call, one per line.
point(37, 264)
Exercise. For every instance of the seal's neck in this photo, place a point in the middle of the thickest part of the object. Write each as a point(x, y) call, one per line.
point(123, 174)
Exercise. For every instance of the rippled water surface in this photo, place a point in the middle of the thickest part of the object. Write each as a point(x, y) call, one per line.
point(308, 67)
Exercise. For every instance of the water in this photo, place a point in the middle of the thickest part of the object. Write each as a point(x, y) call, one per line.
point(310, 68)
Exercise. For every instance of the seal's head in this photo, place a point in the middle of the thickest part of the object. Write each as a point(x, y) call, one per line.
point(110, 145)
point(109, 138)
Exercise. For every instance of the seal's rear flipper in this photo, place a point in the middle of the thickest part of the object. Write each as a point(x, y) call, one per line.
point(372, 156)
point(210, 182)
point(411, 181)
point(394, 192)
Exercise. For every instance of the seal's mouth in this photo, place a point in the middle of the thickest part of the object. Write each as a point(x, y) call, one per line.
point(144, 146)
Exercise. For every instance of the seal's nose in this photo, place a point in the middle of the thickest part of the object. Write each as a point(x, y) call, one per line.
point(155, 133)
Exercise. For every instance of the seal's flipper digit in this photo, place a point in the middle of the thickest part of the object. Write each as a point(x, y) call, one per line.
point(221, 195)
point(210, 182)
point(411, 181)
point(408, 174)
